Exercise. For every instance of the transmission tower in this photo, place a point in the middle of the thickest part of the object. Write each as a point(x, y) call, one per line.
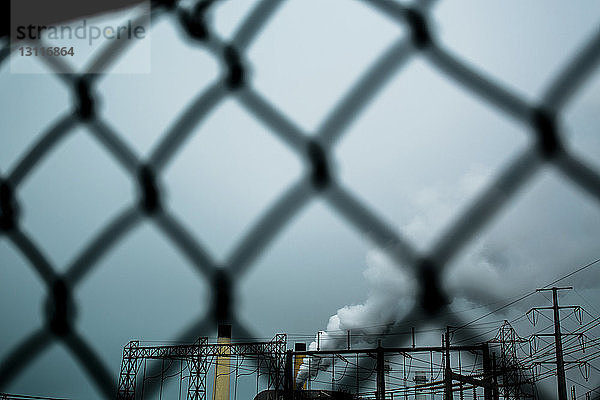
point(560, 362)
point(513, 379)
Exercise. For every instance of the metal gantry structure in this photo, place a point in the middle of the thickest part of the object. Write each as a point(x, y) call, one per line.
point(380, 354)
point(511, 378)
point(282, 364)
point(198, 357)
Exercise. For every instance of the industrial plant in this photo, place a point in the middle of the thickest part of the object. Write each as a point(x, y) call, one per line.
point(228, 369)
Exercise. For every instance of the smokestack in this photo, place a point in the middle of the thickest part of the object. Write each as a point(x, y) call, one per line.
point(221, 385)
point(298, 362)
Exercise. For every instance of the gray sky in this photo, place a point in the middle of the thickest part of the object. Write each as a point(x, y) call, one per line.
point(417, 155)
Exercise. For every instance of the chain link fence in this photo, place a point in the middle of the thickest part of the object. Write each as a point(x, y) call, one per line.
point(547, 150)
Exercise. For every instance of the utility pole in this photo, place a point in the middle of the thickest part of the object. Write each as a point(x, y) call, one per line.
point(380, 394)
point(560, 362)
point(288, 377)
point(448, 369)
point(488, 373)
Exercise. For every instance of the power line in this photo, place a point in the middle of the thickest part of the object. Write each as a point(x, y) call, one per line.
point(523, 297)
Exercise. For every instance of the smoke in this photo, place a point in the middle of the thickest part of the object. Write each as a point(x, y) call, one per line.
point(513, 259)
point(391, 292)
point(391, 287)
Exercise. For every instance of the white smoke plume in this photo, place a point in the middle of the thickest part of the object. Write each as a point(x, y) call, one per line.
point(390, 297)
point(486, 271)
point(391, 287)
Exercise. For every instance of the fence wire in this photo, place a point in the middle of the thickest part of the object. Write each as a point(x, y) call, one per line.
point(547, 150)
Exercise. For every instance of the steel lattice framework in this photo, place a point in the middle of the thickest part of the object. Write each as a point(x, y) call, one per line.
point(198, 357)
point(548, 149)
point(512, 376)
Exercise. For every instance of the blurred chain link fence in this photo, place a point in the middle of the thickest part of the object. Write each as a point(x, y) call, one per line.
point(547, 150)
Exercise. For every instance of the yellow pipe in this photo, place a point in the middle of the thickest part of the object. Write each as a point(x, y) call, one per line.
point(222, 367)
point(298, 362)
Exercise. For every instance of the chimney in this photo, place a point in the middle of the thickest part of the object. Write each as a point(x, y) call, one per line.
point(221, 385)
point(298, 362)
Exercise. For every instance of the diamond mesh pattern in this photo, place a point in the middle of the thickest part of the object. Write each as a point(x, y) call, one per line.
point(547, 150)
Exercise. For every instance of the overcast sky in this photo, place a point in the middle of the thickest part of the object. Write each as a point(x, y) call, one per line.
point(417, 155)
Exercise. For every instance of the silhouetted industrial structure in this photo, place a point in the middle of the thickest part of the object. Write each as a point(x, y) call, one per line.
point(198, 357)
point(285, 379)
